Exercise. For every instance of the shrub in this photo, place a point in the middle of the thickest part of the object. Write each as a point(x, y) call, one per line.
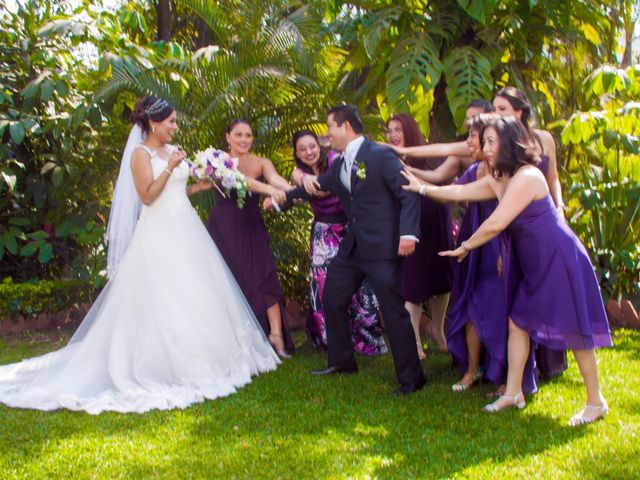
point(43, 296)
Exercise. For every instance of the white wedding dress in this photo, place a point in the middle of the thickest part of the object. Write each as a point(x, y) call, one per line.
point(170, 329)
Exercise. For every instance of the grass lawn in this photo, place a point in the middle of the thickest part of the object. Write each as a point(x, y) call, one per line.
point(288, 424)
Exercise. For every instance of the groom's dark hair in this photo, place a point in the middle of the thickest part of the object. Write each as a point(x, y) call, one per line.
point(348, 113)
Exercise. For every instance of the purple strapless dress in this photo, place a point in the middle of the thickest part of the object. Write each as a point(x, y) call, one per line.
point(552, 291)
point(242, 238)
point(424, 272)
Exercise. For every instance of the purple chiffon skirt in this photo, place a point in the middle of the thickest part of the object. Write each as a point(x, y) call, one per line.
point(552, 291)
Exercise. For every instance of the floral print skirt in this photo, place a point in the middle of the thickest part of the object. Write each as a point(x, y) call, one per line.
point(366, 331)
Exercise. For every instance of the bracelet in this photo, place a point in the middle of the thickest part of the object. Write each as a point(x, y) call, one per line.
point(423, 188)
point(464, 247)
point(168, 171)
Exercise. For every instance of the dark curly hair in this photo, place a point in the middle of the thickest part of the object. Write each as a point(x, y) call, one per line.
point(517, 147)
point(322, 161)
point(150, 108)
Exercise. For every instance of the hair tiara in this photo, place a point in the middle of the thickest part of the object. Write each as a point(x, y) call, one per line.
point(156, 107)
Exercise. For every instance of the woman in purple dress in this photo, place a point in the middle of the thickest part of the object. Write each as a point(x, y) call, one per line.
point(242, 238)
point(426, 277)
point(327, 230)
point(553, 297)
point(511, 101)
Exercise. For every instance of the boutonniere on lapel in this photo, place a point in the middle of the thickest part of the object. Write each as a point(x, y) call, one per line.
point(360, 169)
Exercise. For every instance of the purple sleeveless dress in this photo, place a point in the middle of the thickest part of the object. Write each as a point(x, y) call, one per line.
point(241, 236)
point(424, 272)
point(477, 296)
point(549, 362)
point(551, 287)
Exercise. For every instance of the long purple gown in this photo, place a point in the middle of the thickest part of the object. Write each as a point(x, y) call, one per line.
point(478, 297)
point(551, 287)
point(242, 238)
point(424, 272)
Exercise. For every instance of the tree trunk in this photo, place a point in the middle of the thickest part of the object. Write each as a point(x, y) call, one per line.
point(163, 11)
point(442, 126)
point(204, 34)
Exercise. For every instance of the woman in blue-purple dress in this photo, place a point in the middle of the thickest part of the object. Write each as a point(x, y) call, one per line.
point(553, 297)
point(511, 101)
point(327, 230)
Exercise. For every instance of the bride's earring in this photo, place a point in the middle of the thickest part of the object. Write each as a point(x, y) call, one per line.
point(153, 129)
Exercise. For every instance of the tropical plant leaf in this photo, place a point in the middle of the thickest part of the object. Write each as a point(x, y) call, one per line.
point(414, 61)
point(468, 76)
point(481, 10)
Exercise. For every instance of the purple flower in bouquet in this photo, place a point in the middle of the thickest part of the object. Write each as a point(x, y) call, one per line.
point(216, 165)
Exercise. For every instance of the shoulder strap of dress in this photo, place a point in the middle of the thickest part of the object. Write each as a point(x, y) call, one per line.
point(146, 149)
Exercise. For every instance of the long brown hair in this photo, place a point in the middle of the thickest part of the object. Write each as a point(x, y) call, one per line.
point(413, 137)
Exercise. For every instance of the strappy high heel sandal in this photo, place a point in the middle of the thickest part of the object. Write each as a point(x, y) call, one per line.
point(507, 401)
point(461, 387)
point(580, 418)
point(280, 351)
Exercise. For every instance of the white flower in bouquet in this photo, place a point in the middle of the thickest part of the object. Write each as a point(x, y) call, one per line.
point(218, 166)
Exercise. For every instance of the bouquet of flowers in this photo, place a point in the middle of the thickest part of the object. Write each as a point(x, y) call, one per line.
point(218, 166)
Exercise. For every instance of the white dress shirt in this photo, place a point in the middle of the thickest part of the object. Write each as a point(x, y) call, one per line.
point(349, 157)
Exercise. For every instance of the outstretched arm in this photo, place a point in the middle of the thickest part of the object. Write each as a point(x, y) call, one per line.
point(444, 174)
point(434, 150)
point(522, 190)
point(484, 189)
point(272, 176)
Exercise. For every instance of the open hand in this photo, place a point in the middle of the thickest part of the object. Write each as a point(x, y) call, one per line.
point(414, 184)
point(406, 247)
point(459, 253)
point(311, 184)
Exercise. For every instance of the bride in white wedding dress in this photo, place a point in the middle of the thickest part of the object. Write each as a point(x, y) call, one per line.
point(171, 327)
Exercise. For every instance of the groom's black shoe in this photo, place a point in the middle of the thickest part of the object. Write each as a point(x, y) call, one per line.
point(333, 370)
point(409, 388)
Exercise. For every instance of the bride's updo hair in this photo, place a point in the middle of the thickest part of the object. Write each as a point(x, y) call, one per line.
point(150, 108)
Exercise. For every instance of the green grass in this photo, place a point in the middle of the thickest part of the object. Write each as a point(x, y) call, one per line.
point(288, 424)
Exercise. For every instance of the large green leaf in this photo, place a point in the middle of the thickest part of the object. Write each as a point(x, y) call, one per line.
point(481, 10)
point(414, 61)
point(377, 25)
point(16, 129)
point(468, 76)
